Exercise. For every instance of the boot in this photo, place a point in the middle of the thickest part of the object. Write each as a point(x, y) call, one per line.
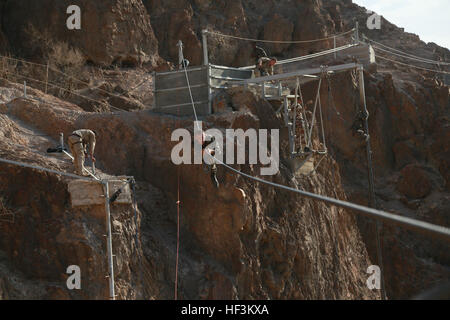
point(214, 180)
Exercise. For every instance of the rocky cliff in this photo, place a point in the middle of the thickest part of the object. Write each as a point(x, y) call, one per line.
point(245, 240)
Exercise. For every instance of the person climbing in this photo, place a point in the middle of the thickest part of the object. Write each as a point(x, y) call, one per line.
point(82, 144)
point(265, 66)
point(213, 166)
point(358, 125)
point(263, 63)
point(184, 64)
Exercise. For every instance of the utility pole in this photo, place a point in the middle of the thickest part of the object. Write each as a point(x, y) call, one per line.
point(112, 295)
point(372, 200)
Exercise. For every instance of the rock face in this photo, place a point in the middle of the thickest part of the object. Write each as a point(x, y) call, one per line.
point(116, 31)
point(244, 241)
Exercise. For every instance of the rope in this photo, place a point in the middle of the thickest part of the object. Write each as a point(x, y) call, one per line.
point(279, 41)
point(404, 56)
point(309, 56)
point(189, 87)
point(412, 66)
point(407, 54)
point(317, 54)
point(314, 113)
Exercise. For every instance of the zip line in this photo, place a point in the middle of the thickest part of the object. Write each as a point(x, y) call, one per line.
point(405, 53)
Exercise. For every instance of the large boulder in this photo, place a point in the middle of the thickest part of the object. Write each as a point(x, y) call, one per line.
point(115, 31)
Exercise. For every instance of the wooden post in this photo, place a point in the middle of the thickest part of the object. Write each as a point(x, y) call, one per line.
point(205, 47)
point(112, 295)
point(46, 79)
point(334, 46)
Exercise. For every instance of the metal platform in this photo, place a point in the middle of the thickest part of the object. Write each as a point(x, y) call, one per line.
point(172, 94)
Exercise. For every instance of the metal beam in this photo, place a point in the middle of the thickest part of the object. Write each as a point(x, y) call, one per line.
point(341, 67)
point(309, 56)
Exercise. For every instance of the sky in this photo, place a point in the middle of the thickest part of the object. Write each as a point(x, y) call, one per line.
point(429, 19)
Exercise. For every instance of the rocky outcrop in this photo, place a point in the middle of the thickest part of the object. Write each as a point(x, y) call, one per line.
point(116, 31)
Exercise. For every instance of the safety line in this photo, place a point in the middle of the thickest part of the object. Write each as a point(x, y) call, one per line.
point(413, 56)
point(275, 41)
point(189, 87)
point(412, 66)
point(409, 223)
point(406, 57)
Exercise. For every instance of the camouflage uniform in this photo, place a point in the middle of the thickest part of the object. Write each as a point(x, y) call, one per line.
point(213, 167)
point(78, 142)
point(265, 66)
